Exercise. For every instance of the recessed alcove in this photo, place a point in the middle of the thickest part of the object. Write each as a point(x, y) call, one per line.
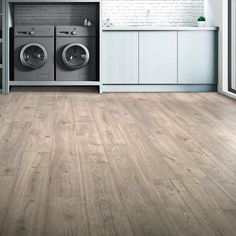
point(53, 13)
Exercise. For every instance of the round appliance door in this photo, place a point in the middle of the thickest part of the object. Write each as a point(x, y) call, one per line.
point(75, 56)
point(33, 55)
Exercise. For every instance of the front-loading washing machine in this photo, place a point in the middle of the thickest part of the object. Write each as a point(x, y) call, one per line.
point(75, 53)
point(34, 53)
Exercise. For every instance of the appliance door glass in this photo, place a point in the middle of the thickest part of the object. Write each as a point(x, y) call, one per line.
point(75, 56)
point(33, 55)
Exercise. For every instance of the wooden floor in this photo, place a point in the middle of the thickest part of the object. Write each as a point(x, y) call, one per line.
point(117, 164)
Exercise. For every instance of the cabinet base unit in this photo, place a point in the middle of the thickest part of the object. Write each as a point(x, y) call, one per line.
point(197, 57)
point(120, 57)
point(171, 60)
point(158, 57)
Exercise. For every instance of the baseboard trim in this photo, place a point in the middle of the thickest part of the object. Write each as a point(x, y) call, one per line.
point(54, 83)
point(160, 88)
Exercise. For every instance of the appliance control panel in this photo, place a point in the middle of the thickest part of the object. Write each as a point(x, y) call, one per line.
point(75, 31)
point(36, 31)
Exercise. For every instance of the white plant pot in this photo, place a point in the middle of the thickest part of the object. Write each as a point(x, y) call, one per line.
point(201, 23)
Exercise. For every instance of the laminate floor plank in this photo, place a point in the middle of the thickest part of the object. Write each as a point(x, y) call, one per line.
point(209, 195)
point(104, 121)
point(66, 210)
point(144, 213)
point(27, 210)
point(148, 157)
point(81, 109)
point(223, 221)
point(117, 164)
point(65, 216)
point(89, 143)
point(119, 112)
point(106, 213)
point(9, 106)
point(132, 184)
point(12, 147)
point(196, 136)
point(41, 130)
point(27, 108)
point(7, 184)
point(184, 218)
point(168, 149)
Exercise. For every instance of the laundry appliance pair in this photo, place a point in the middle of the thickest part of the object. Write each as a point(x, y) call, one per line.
point(63, 53)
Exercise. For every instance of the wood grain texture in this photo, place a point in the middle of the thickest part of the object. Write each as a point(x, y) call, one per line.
point(117, 164)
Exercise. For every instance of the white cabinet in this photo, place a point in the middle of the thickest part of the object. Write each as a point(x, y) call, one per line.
point(197, 57)
point(120, 58)
point(158, 57)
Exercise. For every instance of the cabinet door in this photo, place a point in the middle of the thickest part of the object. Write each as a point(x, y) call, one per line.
point(197, 57)
point(158, 57)
point(120, 58)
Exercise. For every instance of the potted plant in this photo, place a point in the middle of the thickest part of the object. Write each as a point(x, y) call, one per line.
point(201, 21)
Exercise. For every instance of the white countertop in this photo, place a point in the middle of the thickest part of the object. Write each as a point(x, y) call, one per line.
point(156, 28)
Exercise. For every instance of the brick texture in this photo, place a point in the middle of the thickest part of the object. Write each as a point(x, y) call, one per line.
point(162, 12)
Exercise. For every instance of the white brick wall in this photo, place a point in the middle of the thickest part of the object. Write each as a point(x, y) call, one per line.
point(163, 12)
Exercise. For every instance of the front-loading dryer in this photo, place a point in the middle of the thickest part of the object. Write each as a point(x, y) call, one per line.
point(75, 53)
point(34, 53)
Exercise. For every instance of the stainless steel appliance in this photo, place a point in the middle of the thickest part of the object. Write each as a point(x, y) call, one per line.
point(34, 53)
point(75, 53)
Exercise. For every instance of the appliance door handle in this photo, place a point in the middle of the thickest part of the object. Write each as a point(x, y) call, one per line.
point(64, 32)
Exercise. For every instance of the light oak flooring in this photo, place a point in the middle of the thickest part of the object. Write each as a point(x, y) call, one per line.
point(117, 164)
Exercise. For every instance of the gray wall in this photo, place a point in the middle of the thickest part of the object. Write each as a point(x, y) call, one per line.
point(53, 14)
